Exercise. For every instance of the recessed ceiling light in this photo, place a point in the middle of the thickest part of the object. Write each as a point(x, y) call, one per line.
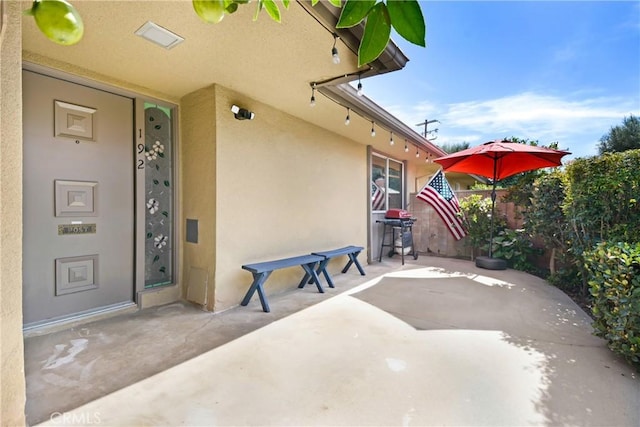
point(158, 35)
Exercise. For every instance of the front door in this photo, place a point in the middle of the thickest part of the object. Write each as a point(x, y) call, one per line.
point(78, 199)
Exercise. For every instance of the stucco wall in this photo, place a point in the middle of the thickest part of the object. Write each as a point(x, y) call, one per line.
point(198, 186)
point(12, 382)
point(284, 187)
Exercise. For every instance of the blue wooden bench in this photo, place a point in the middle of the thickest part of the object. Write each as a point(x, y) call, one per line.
point(351, 251)
point(262, 270)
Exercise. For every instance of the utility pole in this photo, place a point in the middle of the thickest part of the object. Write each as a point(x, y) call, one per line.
point(426, 123)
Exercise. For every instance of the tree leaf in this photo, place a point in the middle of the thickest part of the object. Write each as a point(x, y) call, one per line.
point(407, 19)
point(314, 2)
point(377, 32)
point(231, 8)
point(272, 9)
point(258, 9)
point(336, 3)
point(353, 12)
point(285, 3)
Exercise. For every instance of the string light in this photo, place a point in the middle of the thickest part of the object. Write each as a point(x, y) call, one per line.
point(312, 103)
point(417, 153)
point(391, 139)
point(406, 148)
point(359, 85)
point(347, 119)
point(334, 50)
point(373, 130)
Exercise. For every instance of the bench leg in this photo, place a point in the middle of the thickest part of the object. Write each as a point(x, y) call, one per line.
point(258, 281)
point(322, 269)
point(307, 279)
point(310, 270)
point(353, 259)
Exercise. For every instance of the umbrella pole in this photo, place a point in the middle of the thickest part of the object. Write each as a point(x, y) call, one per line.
point(493, 207)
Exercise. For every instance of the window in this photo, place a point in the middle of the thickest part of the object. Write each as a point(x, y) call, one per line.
point(387, 183)
point(159, 187)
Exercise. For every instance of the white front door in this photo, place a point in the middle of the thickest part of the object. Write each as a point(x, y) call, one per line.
point(78, 199)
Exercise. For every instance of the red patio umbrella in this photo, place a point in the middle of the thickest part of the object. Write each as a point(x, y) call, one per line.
point(497, 160)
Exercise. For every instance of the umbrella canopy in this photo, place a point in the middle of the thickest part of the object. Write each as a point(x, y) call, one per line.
point(500, 159)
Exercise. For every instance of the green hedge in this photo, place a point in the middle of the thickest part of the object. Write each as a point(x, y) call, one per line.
point(615, 286)
point(601, 201)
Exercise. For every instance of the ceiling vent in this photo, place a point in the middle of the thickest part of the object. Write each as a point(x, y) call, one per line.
point(158, 35)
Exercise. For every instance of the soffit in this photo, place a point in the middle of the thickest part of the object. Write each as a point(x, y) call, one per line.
point(270, 62)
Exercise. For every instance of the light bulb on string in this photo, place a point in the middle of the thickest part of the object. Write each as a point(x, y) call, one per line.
point(406, 148)
point(391, 139)
point(417, 153)
point(347, 119)
point(334, 51)
point(373, 130)
point(312, 102)
point(359, 85)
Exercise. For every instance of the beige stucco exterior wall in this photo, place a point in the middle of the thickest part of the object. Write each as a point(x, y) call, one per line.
point(284, 188)
point(198, 186)
point(12, 381)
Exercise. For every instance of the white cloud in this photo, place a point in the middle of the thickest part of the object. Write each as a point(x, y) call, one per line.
point(577, 124)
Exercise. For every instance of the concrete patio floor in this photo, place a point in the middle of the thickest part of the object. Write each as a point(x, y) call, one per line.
point(435, 342)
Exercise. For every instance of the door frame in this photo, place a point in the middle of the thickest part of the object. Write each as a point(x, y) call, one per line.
point(139, 176)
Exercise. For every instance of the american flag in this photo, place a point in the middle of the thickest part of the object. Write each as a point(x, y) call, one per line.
point(438, 194)
point(377, 198)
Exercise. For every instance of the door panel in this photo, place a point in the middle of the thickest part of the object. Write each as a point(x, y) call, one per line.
point(78, 199)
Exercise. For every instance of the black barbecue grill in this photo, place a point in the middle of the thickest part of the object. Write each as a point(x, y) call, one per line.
point(398, 225)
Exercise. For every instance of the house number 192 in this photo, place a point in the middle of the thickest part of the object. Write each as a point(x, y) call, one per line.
point(140, 151)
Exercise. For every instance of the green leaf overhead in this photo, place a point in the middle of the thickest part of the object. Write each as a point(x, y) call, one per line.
point(353, 12)
point(336, 3)
point(377, 32)
point(272, 9)
point(406, 18)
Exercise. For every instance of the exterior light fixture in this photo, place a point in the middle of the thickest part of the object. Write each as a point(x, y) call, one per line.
point(242, 113)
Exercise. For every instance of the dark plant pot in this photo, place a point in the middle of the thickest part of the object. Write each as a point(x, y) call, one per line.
point(491, 263)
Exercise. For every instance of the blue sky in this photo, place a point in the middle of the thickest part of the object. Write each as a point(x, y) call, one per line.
point(545, 70)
